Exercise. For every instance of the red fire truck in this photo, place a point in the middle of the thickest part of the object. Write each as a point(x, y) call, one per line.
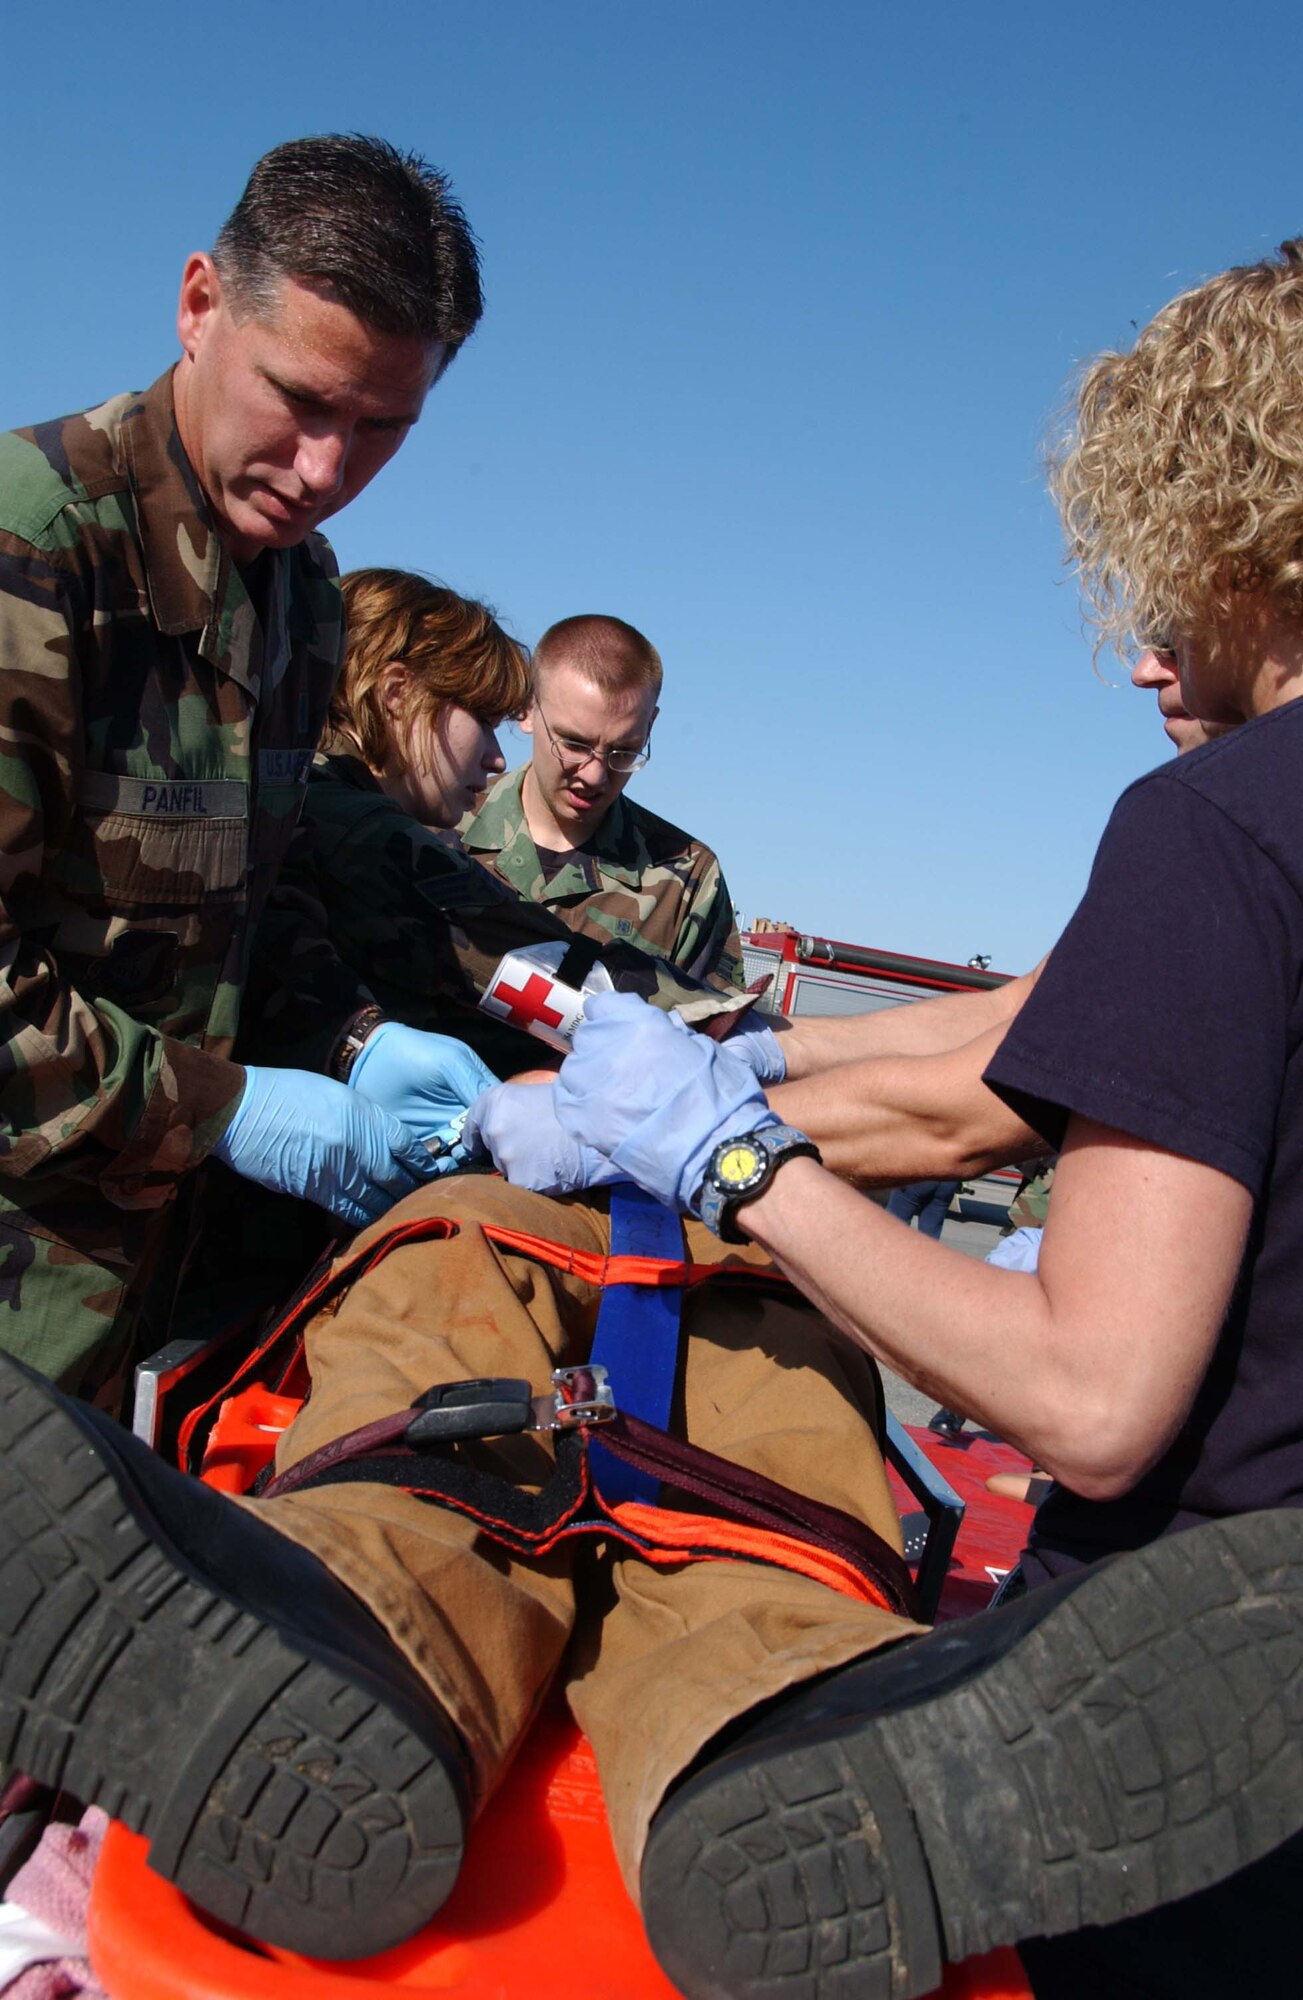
point(815, 975)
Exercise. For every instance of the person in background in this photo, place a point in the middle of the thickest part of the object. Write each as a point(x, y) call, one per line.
point(429, 678)
point(375, 882)
point(560, 830)
point(928, 1202)
point(376, 893)
point(170, 631)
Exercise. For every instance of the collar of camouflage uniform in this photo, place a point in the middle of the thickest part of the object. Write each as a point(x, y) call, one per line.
point(183, 553)
point(194, 586)
point(617, 848)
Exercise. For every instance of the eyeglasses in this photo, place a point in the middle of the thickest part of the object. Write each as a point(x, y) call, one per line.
point(571, 754)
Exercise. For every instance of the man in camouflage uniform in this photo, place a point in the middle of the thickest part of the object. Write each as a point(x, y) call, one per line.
point(559, 830)
point(170, 630)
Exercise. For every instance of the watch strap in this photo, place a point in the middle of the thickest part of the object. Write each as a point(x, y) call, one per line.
point(354, 1040)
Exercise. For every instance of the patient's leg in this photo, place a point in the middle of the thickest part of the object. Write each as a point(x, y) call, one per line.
point(769, 1385)
point(484, 1629)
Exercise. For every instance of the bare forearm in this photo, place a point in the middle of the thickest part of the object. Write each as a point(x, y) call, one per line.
point(813, 1043)
point(909, 1118)
point(1091, 1363)
point(917, 1306)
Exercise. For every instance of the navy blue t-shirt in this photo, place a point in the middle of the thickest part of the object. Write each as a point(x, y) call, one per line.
point(1171, 1010)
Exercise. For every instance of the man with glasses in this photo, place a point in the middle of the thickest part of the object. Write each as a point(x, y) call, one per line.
point(560, 832)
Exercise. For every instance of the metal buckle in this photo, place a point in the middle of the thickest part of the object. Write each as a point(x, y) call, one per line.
point(580, 1396)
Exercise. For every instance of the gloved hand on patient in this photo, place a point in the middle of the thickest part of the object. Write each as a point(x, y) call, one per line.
point(755, 1043)
point(646, 1093)
point(305, 1135)
point(516, 1125)
point(427, 1081)
point(641, 1097)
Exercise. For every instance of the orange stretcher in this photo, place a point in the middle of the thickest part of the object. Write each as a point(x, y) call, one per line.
point(538, 1896)
point(539, 1885)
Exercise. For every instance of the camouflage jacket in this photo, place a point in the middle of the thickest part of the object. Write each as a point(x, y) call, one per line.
point(1031, 1203)
point(639, 879)
point(157, 731)
point(422, 923)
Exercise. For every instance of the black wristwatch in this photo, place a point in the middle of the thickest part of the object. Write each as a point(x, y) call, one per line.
point(358, 1034)
point(741, 1168)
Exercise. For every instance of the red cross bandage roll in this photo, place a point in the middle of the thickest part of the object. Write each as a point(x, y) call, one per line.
point(525, 992)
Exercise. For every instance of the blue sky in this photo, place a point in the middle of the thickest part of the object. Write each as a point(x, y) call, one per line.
point(779, 303)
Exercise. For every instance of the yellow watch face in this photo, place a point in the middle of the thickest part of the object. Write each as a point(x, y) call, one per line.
point(738, 1165)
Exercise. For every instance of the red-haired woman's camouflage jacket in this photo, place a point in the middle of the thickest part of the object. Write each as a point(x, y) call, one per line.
point(371, 888)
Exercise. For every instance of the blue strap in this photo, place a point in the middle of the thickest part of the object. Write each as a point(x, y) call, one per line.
point(637, 1337)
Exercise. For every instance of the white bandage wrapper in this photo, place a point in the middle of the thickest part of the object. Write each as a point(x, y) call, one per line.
point(525, 992)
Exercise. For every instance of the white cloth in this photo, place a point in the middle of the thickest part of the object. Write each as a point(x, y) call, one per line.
point(1019, 1252)
point(26, 1941)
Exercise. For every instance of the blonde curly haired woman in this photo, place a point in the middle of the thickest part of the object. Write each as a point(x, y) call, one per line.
point(1152, 1363)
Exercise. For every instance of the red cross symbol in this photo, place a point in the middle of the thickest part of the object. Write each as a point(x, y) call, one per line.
point(529, 1002)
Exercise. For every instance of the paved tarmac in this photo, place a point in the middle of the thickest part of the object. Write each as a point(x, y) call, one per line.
point(974, 1239)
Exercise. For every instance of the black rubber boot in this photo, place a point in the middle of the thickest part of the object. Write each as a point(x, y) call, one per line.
point(167, 1656)
point(1105, 1745)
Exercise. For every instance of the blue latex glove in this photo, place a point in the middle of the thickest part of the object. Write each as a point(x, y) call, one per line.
point(652, 1096)
point(756, 1044)
point(516, 1125)
point(426, 1081)
point(302, 1134)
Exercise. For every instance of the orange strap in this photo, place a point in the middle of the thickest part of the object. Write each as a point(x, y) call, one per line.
point(673, 1538)
point(595, 1269)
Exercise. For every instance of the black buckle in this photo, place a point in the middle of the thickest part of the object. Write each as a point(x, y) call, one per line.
point(490, 1406)
point(502, 1405)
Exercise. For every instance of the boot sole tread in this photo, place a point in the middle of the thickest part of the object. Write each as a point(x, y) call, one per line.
point(299, 1808)
point(1137, 1745)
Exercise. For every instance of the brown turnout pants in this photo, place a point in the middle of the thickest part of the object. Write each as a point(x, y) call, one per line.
point(661, 1659)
